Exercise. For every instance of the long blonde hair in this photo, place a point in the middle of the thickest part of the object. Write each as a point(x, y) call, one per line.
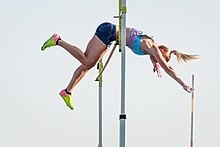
point(181, 57)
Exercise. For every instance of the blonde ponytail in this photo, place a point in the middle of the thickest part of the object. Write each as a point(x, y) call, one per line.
point(180, 56)
point(183, 57)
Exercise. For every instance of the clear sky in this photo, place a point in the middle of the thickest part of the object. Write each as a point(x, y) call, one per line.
point(158, 110)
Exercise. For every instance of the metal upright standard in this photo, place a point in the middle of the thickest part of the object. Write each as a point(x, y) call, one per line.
point(100, 66)
point(122, 43)
point(192, 114)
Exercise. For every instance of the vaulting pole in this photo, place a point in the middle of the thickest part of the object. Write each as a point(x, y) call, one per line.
point(122, 44)
point(192, 114)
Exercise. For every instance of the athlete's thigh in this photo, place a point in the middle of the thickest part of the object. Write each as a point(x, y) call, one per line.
point(94, 49)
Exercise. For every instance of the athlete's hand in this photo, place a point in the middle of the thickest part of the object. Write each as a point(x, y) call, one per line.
point(157, 69)
point(188, 88)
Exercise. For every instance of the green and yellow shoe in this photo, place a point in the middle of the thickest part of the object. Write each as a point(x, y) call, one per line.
point(52, 41)
point(67, 99)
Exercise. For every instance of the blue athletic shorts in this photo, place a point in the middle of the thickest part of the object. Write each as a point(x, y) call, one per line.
point(106, 32)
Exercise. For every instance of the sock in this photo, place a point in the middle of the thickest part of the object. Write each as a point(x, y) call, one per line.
point(58, 40)
point(67, 92)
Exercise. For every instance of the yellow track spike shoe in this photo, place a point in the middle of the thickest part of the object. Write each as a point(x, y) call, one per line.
point(52, 41)
point(67, 99)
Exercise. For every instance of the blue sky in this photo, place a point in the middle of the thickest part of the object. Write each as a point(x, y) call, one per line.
point(158, 110)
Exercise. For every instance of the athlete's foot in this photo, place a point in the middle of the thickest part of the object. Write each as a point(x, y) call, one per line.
point(67, 99)
point(52, 41)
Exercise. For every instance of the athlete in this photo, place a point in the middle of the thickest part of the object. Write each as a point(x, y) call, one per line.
point(136, 40)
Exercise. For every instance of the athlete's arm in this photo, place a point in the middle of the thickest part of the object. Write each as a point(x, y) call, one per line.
point(167, 68)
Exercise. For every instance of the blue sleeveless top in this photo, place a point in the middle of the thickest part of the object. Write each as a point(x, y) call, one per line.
point(134, 41)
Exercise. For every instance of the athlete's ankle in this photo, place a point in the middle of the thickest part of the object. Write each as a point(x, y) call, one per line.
point(68, 92)
point(57, 42)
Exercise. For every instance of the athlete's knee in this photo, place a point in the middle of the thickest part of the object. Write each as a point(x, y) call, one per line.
point(86, 62)
point(89, 64)
point(88, 67)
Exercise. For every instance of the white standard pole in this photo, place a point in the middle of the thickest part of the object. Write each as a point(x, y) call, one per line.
point(122, 117)
point(100, 66)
